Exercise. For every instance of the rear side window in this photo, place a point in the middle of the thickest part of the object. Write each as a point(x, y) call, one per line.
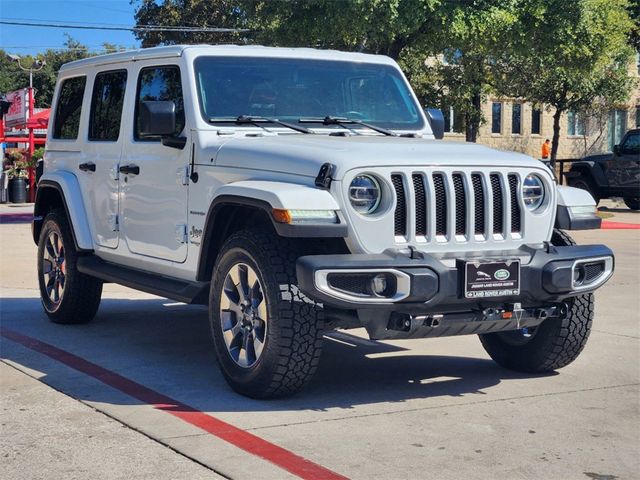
point(106, 105)
point(163, 84)
point(68, 108)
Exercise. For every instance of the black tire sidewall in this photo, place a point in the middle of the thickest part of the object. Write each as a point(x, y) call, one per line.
point(256, 378)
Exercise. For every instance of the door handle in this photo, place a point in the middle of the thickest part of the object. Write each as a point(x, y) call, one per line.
point(87, 167)
point(130, 169)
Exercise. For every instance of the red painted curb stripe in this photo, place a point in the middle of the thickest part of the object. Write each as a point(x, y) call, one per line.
point(242, 439)
point(619, 225)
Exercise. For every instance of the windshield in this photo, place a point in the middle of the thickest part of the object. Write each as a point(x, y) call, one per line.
point(294, 89)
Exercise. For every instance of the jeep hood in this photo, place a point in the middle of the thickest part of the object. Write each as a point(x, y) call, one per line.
point(305, 154)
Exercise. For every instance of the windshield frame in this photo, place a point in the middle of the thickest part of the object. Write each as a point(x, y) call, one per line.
point(421, 124)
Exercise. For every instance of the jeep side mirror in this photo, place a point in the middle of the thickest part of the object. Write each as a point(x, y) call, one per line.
point(617, 150)
point(436, 120)
point(157, 118)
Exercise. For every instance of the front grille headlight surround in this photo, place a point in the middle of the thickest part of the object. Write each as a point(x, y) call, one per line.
point(533, 192)
point(365, 194)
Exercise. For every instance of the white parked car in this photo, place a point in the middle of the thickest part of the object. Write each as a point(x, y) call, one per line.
point(295, 191)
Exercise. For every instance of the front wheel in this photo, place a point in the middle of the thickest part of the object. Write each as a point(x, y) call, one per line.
point(268, 335)
point(553, 344)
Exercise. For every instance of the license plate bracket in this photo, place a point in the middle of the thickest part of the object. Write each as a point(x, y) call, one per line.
point(490, 278)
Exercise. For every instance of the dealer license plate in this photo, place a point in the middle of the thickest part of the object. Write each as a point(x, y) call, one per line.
point(490, 278)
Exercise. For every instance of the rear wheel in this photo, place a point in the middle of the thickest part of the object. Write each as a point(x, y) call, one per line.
point(632, 202)
point(67, 295)
point(554, 343)
point(268, 335)
point(584, 183)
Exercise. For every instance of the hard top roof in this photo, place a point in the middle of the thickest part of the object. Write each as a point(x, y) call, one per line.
point(224, 50)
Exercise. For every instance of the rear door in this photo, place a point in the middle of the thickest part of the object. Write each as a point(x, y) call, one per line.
point(154, 200)
point(98, 170)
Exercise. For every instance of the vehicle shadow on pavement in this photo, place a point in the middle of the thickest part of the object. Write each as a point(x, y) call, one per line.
point(166, 347)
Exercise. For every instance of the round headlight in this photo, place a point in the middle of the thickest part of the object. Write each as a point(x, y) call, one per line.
point(364, 194)
point(533, 192)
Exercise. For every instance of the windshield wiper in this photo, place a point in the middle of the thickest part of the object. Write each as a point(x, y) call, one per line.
point(248, 119)
point(329, 120)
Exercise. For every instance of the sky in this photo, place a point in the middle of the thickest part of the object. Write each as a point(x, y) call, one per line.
point(25, 40)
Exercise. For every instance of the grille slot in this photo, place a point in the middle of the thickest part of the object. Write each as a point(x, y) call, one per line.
point(478, 198)
point(461, 204)
point(440, 203)
point(421, 205)
point(400, 215)
point(516, 216)
point(592, 271)
point(357, 283)
point(498, 207)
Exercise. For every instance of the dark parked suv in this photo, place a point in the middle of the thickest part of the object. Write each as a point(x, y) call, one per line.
point(614, 174)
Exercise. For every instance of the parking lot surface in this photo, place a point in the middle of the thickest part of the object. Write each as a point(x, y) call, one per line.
point(137, 394)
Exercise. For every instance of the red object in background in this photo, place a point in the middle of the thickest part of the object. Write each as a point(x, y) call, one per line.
point(39, 120)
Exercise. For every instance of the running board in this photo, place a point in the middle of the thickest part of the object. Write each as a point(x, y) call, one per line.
point(156, 284)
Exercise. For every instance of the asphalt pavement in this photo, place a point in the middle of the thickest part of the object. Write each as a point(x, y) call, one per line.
point(137, 394)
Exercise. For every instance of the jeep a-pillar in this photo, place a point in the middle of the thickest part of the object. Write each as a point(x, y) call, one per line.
point(296, 191)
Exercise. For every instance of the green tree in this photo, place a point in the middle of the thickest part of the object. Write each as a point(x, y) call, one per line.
point(566, 55)
point(44, 81)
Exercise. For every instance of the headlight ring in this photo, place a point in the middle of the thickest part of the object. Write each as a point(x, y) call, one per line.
point(365, 194)
point(533, 192)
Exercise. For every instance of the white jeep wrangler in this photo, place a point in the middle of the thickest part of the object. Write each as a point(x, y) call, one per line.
point(295, 191)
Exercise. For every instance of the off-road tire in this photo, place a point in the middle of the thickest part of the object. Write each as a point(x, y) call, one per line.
point(584, 183)
point(632, 203)
point(555, 343)
point(81, 295)
point(293, 344)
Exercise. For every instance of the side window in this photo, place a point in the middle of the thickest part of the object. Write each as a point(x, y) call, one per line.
point(631, 144)
point(160, 83)
point(106, 105)
point(67, 121)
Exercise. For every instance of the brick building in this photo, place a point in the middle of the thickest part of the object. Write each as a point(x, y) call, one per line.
point(517, 126)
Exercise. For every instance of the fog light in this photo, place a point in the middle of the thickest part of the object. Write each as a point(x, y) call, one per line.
point(578, 275)
point(379, 284)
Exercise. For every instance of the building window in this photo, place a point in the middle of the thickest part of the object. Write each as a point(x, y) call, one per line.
point(536, 117)
point(496, 117)
point(575, 123)
point(616, 126)
point(455, 126)
point(516, 119)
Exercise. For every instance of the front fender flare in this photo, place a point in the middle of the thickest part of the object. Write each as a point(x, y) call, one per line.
point(69, 189)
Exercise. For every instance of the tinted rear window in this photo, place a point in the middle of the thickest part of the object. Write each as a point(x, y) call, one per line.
point(68, 109)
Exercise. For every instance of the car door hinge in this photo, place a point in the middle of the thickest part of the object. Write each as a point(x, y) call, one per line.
point(113, 223)
point(181, 234)
point(183, 175)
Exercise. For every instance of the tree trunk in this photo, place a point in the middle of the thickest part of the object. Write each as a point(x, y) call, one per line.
point(556, 139)
point(472, 123)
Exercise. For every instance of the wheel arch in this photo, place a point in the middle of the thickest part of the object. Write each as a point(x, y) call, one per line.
point(61, 190)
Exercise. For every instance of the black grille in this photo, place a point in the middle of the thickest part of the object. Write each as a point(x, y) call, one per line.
point(421, 205)
point(498, 208)
point(478, 198)
point(400, 217)
point(592, 271)
point(515, 206)
point(441, 204)
point(461, 204)
point(357, 283)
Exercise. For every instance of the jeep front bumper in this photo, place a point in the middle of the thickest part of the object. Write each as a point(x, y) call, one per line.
point(423, 282)
point(422, 286)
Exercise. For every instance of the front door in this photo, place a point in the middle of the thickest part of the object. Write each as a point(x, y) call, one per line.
point(154, 193)
point(624, 170)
